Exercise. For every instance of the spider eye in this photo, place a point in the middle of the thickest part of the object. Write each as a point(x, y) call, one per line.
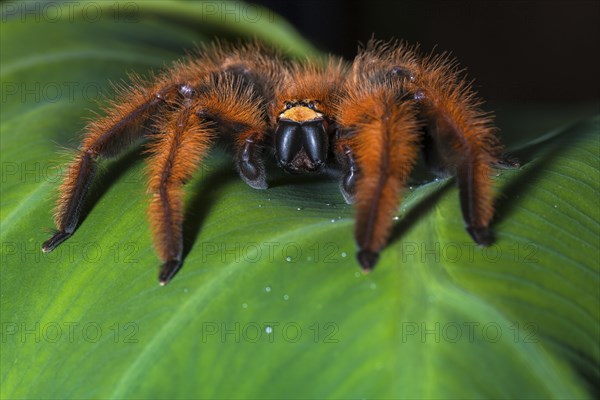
point(311, 105)
point(403, 73)
point(288, 105)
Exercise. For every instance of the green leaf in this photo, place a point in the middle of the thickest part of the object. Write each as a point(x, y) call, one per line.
point(270, 302)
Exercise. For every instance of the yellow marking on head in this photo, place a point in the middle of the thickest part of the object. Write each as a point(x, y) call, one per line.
point(300, 114)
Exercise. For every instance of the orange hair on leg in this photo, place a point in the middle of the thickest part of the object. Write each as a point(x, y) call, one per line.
point(125, 123)
point(175, 155)
point(463, 135)
point(384, 138)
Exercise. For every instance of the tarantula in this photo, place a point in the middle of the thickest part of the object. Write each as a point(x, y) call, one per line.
point(370, 119)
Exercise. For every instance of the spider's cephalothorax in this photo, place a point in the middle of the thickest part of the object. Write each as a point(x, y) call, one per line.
point(305, 123)
point(371, 118)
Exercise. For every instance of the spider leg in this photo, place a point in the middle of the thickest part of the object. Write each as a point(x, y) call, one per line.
point(176, 154)
point(104, 139)
point(459, 137)
point(383, 142)
point(465, 145)
point(222, 108)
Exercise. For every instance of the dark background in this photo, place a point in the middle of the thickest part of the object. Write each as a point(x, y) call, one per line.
point(517, 51)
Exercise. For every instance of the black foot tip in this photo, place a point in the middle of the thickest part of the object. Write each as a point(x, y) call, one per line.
point(367, 260)
point(54, 241)
point(481, 236)
point(168, 271)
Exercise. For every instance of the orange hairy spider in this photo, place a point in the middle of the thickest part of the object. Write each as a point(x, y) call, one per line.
point(370, 119)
